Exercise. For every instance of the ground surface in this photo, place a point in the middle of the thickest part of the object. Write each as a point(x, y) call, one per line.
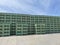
point(49, 39)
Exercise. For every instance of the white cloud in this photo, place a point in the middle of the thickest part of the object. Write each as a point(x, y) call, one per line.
point(45, 3)
point(25, 6)
point(2, 10)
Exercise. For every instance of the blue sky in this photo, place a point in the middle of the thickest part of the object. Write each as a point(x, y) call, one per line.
point(37, 7)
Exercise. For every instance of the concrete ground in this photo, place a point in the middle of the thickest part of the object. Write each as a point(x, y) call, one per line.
point(48, 39)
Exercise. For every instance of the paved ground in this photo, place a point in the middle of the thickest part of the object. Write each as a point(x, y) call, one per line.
point(49, 39)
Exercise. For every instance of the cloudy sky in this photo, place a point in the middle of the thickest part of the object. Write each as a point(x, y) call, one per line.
point(37, 7)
